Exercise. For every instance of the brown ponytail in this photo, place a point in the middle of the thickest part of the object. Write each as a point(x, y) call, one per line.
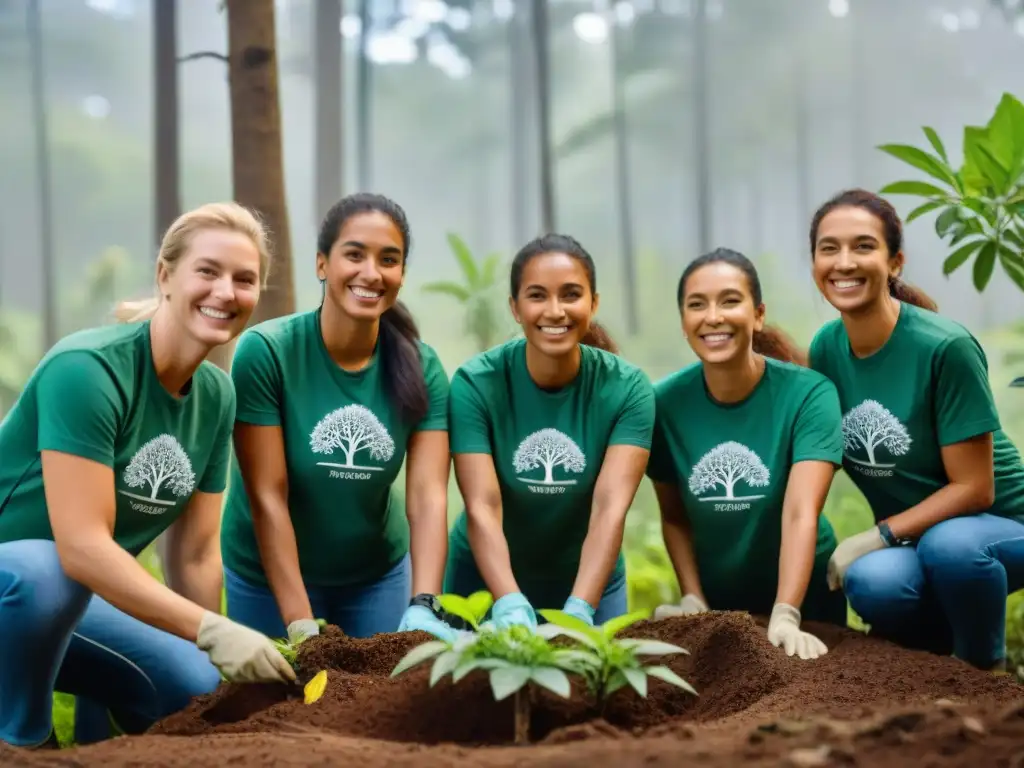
point(910, 294)
point(775, 343)
point(597, 336)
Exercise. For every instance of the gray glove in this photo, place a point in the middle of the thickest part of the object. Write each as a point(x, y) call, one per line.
point(242, 655)
point(300, 629)
point(688, 605)
point(784, 632)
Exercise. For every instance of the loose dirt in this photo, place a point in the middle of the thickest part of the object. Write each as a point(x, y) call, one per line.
point(866, 702)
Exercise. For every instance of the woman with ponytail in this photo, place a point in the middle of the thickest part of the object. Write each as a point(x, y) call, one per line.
point(746, 444)
point(550, 434)
point(923, 443)
point(330, 404)
point(123, 432)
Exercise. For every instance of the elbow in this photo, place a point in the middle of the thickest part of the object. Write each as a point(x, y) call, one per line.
point(983, 495)
point(427, 503)
point(81, 557)
point(800, 516)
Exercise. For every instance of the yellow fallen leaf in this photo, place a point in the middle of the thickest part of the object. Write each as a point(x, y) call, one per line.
point(315, 688)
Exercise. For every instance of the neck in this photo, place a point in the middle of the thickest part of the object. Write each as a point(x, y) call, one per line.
point(734, 380)
point(350, 343)
point(870, 328)
point(552, 372)
point(175, 360)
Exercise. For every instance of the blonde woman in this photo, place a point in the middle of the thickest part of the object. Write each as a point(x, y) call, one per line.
point(120, 432)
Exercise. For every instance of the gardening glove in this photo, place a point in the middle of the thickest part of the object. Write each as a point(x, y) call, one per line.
point(688, 605)
point(422, 618)
point(300, 629)
point(784, 632)
point(580, 608)
point(511, 609)
point(850, 550)
point(242, 655)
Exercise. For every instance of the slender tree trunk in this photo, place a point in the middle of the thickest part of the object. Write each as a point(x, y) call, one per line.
point(518, 125)
point(622, 180)
point(541, 36)
point(256, 153)
point(328, 157)
point(701, 132)
point(166, 188)
point(364, 101)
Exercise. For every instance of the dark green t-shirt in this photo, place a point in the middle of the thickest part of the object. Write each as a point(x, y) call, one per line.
point(547, 447)
point(927, 387)
point(344, 446)
point(97, 396)
point(731, 464)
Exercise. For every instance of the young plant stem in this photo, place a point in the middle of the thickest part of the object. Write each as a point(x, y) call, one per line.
point(522, 708)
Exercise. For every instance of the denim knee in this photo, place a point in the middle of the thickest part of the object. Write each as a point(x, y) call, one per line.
point(883, 584)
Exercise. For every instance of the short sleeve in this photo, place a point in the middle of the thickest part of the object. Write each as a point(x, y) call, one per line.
point(635, 423)
point(818, 428)
point(215, 477)
point(964, 407)
point(257, 378)
point(660, 466)
point(815, 353)
point(80, 407)
point(436, 417)
point(468, 423)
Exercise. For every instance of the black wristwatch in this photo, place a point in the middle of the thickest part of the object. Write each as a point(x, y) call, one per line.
point(431, 603)
point(889, 538)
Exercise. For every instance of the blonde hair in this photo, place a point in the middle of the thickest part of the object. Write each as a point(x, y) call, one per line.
point(230, 216)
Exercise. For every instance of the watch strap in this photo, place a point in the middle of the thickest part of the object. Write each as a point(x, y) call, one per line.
point(887, 535)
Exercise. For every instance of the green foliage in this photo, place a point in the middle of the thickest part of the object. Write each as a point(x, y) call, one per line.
point(470, 609)
point(981, 204)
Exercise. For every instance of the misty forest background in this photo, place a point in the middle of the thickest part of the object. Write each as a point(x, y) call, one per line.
point(652, 130)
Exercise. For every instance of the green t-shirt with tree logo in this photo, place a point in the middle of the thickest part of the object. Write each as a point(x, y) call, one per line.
point(547, 448)
point(344, 442)
point(96, 395)
point(731, 463)
point(927, 387)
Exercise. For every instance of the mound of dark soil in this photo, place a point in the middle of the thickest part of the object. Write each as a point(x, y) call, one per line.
point(866, 702)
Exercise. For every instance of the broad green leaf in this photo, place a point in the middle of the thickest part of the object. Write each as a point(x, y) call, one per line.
point(637, 679)
point(576, 658)
point(922, 188)
point(666, 674)
point(489, 270)
point(982, 169)
point(984, 264)
point(921, 160)
point(465, 259)
point(613, 626)
point(550, 631)
point(480, 603)
point(507, 680)
point(921, 210)
point(469, 665)
point(555, 680)
point(443, 664)
point(458, 605)
point(418, 655)
point(563, 619)
point(1006, 134)
point(651, 647)
point(1014, 268)
point(936, 142)
point(448, 288)
point(959, 257)
point(948, 222)
point(616, 681)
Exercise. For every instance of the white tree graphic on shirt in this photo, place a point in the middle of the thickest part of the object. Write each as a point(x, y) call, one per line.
point(160, 464)
point(725, 465)
point(871, 425)
point(548, 448)
point(351, 429)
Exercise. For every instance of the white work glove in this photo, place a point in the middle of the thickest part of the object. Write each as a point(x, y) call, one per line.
point(690, 604)
point(848, 551)
point(242, 655)
point(784, 631)
point(300, 629)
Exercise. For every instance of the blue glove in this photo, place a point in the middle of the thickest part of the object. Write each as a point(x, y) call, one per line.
point(579, 608)
point(422, 618)
point(512, 609)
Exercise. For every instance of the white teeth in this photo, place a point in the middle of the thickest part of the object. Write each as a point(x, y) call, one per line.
point(365, 293)
point(216, 314)
point(714, 338)
point(841, 284)
point(554, 330)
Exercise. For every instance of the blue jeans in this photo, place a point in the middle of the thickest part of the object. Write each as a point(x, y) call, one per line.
point(56, 635)
point(360, 611)
point(948, 593)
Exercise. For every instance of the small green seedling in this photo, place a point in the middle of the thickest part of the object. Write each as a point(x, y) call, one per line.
point(606, 663)
point(470, 609)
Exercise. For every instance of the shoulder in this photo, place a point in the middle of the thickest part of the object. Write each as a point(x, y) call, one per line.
point(796, 377)
point(282, 332)
point(607, 367)
point(113, 351)
point(826, 339)
point(678, 382)
point(429, 356)
point(932, 330)
point(491, 364)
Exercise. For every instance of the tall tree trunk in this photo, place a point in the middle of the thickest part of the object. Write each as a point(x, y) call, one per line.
point(256, 153)
point(364, 101)
point(519, 124)
point(622, 179)
point(541, 35)
point(329, 145)
point(167, 185)
point(701, 132)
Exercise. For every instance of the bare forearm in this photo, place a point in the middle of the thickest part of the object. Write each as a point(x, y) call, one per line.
point(275, 537)
point(796, 556)
point(679, 544)
point(950, 501)
point(490, 551)
point(428, 542)
point(600, 550)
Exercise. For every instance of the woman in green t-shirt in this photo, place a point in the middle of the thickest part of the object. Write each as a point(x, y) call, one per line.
point(550, 434)
point(330, 403)
point(923, 443)
point(123, 432)
point(746, 443)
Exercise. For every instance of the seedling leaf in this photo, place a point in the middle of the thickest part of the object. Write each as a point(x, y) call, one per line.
point(651, 647)
point(666, 674)
point(507, 680)
point(418, 655)
point(444, 664)
point(567, 621)
point(637, 679)
point(613, 626)
point(468, 665)
point(550, 631)
point(315, 688)
point(480, 603)
point(616, 681)
point(555, 680)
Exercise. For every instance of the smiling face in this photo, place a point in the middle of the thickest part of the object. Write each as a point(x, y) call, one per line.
point(852, 263)
point(213, 288)
point(555, 303)
point(719, 313)
point(365, 268)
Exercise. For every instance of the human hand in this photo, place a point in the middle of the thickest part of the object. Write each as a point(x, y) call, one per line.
point(580, 608)
point(848, 551)
point(511, 609)
point(300, 629)
point(784, 632)
point(690, 604)
point(241, 654)
point(419, 617)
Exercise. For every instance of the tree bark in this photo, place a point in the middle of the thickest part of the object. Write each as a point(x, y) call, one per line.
point(167, 187)
point(328, 143)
